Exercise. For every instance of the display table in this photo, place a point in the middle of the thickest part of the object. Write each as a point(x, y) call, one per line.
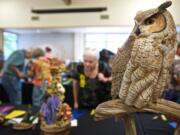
point(87, 126)
point(145, 126)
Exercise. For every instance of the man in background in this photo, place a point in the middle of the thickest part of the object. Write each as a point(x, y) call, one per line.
point(13, 72)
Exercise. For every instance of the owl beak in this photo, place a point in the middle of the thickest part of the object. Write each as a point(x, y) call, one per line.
point(137, 31)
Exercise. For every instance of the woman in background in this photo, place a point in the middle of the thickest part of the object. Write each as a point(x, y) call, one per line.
point(91, 85)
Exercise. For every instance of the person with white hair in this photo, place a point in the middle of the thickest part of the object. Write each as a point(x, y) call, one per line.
point(13, 72)
point(90, 86)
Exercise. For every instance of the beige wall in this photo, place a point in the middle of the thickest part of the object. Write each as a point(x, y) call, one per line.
point(17, 13)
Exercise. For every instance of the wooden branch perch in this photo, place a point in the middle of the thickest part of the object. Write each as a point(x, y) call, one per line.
point(116, 107)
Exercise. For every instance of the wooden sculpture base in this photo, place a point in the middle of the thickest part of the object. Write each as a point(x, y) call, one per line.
point(115, 108)
point(56, 130)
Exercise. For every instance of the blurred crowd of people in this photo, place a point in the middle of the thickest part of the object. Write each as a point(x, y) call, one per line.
point(92, 78)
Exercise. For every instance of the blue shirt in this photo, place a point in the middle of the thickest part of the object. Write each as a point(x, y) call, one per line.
point(17, 58)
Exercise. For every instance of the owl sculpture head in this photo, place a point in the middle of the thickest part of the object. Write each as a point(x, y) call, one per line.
point(152, 21)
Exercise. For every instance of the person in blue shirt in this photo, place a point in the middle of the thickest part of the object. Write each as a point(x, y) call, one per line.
point(13, 72)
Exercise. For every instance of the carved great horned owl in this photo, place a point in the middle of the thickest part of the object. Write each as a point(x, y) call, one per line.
point(141, 67)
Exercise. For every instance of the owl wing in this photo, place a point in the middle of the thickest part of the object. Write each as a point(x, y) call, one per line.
point(141, 73)
point(119, 65)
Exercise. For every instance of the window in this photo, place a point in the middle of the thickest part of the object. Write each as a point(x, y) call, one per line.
point(105, 41)
point(10, 43)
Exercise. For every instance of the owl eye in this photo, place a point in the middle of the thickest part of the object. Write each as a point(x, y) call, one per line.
point(149, 21)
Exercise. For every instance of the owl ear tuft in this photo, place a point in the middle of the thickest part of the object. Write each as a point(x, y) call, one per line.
point(165, 5)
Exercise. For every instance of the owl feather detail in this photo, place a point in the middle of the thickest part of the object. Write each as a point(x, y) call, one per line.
point(141, 67)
